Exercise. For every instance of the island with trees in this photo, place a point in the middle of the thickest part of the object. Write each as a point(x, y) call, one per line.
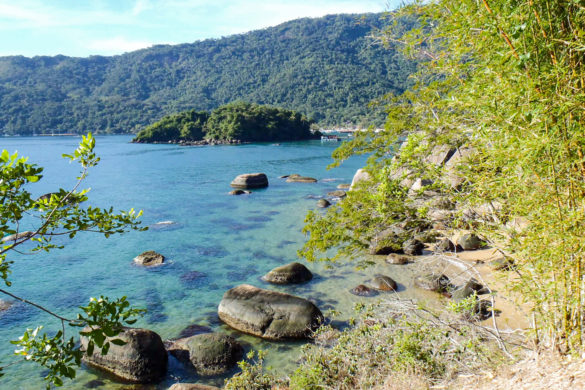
point(232, 123)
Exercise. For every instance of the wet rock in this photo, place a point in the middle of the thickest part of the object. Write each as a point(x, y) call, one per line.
point(360, 175)
point(250, 180)
point(343, 186)
point(209, 353)
point(143, 359)
point(413, 247)
point(470, 242)
point(288, 274)
point(239, 192)
point(337, 194)
point(383, 283)
point(18, 236)
point(295, 178)
point(363, 291)
point(394, 258)
point(194, 329)
point(323, 203)
point(269, 314)
point(149, 258)
point(432, 282)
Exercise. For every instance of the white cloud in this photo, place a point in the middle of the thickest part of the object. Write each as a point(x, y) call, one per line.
point(117, 45)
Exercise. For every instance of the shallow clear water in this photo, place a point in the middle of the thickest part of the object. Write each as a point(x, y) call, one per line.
point(215, 242)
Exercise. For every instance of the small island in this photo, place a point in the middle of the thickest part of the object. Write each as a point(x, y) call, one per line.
point(232, 123)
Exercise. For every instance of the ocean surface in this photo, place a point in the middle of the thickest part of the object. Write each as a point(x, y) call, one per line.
point(212, 241)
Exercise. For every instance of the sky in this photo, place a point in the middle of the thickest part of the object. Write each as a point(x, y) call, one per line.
point(106, 27)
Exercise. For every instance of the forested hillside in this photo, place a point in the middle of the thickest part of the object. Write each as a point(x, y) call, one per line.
point(326, 68)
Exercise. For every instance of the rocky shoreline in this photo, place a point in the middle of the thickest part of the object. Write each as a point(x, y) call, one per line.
point(273, 315)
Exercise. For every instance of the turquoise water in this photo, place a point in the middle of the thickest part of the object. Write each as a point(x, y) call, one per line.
point(215, 242)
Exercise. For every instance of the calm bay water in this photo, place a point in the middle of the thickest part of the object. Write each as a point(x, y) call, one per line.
point(215, 242)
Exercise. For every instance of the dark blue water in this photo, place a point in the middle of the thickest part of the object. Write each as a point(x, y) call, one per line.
point(213, 241)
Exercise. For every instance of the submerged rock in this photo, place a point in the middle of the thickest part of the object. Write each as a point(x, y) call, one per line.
point(288, 274)
point(337, 194)
point(383, 283)
point(394, 258)
point(363, 291)
point(269, 314)
point(192, 386)
point(432, 282)
point(295, 178)
point(323, 203)
point(209, 353)
point(143, 359)
point(250, 180)
point(343, 186)
point(149, 258)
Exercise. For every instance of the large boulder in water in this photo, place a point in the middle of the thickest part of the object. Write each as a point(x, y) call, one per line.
point(323, 203)
point(383, 283)
point(432, 282)
point(269, 314)
point(149, 258)
point(289, 273)
point(143, 359)
point(209, 353)
point(250, 180)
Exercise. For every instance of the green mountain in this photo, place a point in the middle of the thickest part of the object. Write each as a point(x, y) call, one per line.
point(326, 68)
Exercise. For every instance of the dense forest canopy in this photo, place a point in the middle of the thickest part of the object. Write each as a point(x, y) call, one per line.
point(238, 121)
point(327, 68)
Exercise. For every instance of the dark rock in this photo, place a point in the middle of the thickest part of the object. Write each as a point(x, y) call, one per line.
point(465, 291)
point(432, 282)
point(250, 180)
point(289, 273)
point(343, 186)
point(143, 359)
point(383, 283)
point(94, 384)
point(337, 194)
point(295, 178)
point(483, 309)
point(269, 314)
point(413, 247)
point(470, 242)
point(445, 245)
point(209, 353)
point(323, 203)
point(149, 258)
point(18, 236)
point(239, 192)
point(363, 291)
point(394, 258)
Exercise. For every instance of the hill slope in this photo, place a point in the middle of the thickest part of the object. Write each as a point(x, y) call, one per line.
point(326, 68)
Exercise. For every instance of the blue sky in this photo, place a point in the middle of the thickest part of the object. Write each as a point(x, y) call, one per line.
point(105, 27)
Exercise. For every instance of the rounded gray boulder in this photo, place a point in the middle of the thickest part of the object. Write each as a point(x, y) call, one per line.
point(383, 283)
point(143, 359)
point(288, 274)
point(296, 178)
point(209, 353)
point(269, 314)
point(250, 180)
